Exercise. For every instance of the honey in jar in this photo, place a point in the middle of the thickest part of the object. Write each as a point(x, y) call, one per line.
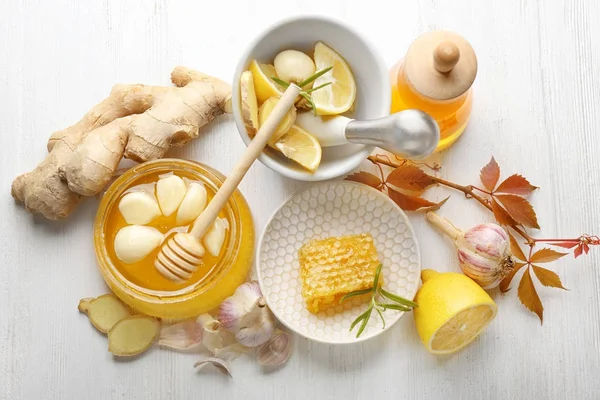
point(140, 284)
point(436, 77)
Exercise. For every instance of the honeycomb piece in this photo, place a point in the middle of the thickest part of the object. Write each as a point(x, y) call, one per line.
point(333, 267)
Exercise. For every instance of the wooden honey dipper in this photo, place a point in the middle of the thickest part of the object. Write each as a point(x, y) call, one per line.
point(182, 254)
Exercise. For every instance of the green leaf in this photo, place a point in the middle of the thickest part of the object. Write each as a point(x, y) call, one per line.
point(314, 77)
point(365, 321)
point(397, 298)
point(317, 88)
point(391, 306)
point(355, 293)
point(280, 81)
point(376, 280)
point(357, 320)
point(381, 316)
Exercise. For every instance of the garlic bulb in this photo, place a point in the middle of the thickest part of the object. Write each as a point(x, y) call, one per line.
point(246, 315)
point(483, 251)
point(293, 66)
point(275, 351)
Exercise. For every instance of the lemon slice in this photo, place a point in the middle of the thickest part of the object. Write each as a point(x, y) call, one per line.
point(301, 147)
point(338, 97)
point(263, 84)
point(453, 310)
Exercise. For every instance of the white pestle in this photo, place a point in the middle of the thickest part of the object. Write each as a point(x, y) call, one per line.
point(407, 134)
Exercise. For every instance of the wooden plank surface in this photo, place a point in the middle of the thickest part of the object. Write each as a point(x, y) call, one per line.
point(537, 103)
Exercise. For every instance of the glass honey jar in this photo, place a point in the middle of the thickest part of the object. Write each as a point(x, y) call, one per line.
point(140, 285)
point(436, 77)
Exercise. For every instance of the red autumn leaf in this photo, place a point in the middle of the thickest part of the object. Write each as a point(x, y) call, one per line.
point(586, 248)
point(516, 184)
point(366, 178)
point(410, 177)
point(547, 277)
point(501, 215)
point(578, 251)
point(546, 255)
point(566, 245)
point(519, 209)
point(529, 297)
point(409, 203)
point(516, 249)
point(505, 284)
point(490, 174)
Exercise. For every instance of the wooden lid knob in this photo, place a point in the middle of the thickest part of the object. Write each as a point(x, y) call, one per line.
point(445, 56)
point(440, 65)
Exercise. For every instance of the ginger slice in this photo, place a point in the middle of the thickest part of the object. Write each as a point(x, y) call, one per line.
point(249, 103)
point(133, 335)
point(104, 311)
point(140, 122)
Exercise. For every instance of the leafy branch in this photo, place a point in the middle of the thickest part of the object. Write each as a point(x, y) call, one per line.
point(507, 201)
point(306, 94)
point(397, 303)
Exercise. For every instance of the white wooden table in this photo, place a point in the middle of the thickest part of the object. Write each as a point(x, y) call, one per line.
point(537, 110)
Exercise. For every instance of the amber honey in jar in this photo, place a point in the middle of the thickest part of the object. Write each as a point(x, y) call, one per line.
point(139, 283)
point(436, 77)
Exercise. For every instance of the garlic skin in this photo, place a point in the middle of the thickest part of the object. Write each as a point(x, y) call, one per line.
point(276, 351)
point(246, 315)
point(483, 251)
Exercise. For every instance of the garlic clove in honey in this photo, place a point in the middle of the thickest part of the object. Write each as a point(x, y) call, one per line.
point(276, 351)
point(170, 191)
point(215, 237)
point(483, 251)
point(133, 243)
point(192, 205)
point(246, 315)
point(138, 208)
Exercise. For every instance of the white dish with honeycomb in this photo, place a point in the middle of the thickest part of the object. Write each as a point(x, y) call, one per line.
point(335, 208)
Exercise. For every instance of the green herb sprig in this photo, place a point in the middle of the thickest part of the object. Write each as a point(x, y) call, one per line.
point(397, 303)
point(306, 93)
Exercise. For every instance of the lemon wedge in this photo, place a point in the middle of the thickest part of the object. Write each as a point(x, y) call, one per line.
point(338, 97)
point(453, 310)
point(263, 84)
point(301, 147)
point(285, 124)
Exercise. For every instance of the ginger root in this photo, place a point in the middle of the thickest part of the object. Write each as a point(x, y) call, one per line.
point(139, 122)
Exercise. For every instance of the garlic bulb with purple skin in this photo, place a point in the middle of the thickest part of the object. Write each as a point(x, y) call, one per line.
point(246, 315)
point(483, 251)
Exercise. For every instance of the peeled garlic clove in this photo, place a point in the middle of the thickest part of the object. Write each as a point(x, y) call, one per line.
point(138, 208)
point(276, 351)
point(215, 237)
point(104, 311)
point(246, 315)
point(133, 335)
point(170, 192)
point(293, 66)
point(192, 205)
point(134, 242)
point(219, 364)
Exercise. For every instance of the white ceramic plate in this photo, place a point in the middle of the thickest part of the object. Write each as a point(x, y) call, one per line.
point(333, 209)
